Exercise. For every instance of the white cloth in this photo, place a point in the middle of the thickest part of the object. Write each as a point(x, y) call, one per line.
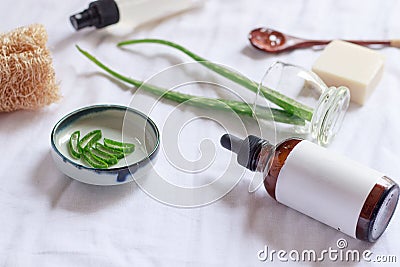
point(48, 219)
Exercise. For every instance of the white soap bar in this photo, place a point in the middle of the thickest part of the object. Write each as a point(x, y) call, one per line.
point(354, 66)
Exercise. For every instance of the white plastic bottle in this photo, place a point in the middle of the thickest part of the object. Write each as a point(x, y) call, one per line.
point(128, 14)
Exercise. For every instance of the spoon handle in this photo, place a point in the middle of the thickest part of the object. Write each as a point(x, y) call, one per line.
point(311, 43)
point(395, 43)
point(370, 42)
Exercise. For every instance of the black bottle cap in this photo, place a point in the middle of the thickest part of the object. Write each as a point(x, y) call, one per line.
point(247, 150)
point(231, 142)
point(100, 14)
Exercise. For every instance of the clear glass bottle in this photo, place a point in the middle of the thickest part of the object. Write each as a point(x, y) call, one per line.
point(128, 14)
point(327, 106)
point(332, 189)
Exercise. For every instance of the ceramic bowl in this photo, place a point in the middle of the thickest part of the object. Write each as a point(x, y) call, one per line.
point(116, 122)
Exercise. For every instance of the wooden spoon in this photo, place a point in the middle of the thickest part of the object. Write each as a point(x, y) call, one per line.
point(272, 41)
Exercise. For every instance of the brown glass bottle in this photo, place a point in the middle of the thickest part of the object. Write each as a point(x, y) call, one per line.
point(259, 155)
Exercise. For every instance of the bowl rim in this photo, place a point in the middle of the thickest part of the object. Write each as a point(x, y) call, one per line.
point(106, 106)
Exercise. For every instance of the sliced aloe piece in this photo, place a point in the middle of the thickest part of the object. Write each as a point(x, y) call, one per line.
point(119, 146)
point(107, 158)
point(89, 139)
point(109, 151)
point(73, 146)
point(93, 160)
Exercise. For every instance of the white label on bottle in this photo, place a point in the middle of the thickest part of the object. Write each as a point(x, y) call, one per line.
point(325, 186)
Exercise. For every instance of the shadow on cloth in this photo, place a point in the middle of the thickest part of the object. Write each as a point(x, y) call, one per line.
point(66, 193)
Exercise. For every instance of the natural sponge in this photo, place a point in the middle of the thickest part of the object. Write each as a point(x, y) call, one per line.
point(27, 78)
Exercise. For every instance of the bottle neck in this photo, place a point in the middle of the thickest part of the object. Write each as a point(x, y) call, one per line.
point(264, 158)
point(329, 114)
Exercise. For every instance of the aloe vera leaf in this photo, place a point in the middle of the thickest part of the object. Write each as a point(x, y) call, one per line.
point(287, 103)
point(240, 108)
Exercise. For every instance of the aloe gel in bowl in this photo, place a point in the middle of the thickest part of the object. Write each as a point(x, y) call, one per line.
point(117, 123)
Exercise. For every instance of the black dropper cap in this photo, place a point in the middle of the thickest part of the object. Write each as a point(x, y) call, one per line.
point(247, 150)
point(100, 14)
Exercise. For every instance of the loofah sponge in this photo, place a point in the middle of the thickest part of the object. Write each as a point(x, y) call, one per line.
point(27, 78)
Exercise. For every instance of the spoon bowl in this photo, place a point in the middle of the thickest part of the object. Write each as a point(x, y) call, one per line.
point(267, 39)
